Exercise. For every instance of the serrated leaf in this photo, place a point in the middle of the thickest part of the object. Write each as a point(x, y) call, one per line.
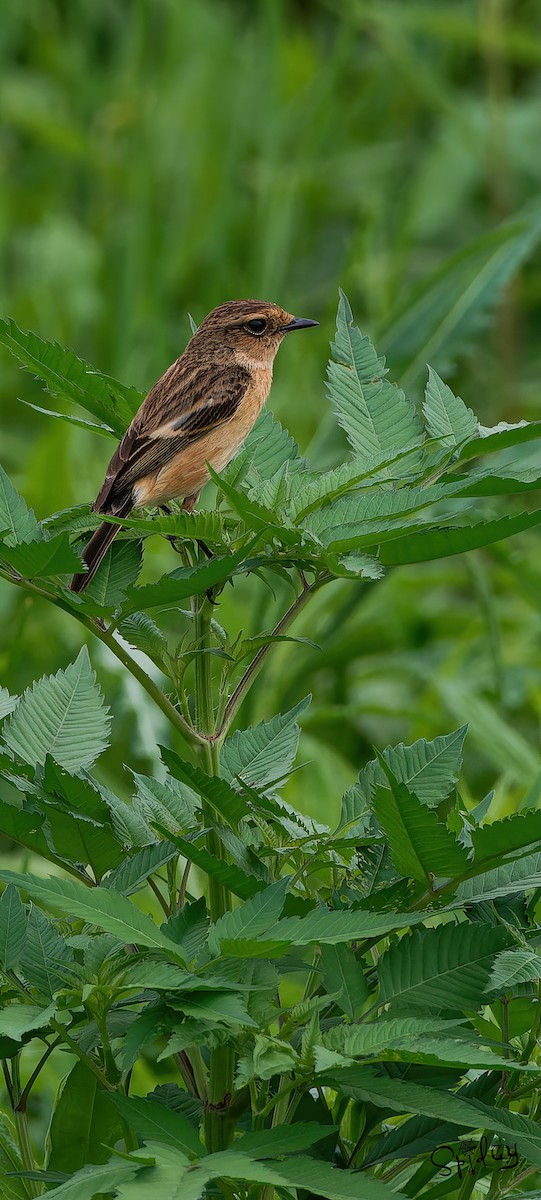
point(140, 631)
point(184, 582)
point(153, 1122)
point(224, 799)
point(273, 1143)
point(498, 841)
point(47, 960)
point(421, 845)
point(374, 413)
point(447, 417)
point(18, 1019)
point(512, 967)
point(43, 559)
point(359, 519)
point(62, 715)
point(172, 804)
point(232, 877)
point(107, 910)
point(117, 573)
point(516, 876)
point(12, 928)
point(15, 517)
point(207, 525)
point(424, 546)
point(268, 446)
point(250, 919)
point(263, 753)
point(443, 968)
point(405, 1096)
point(7, 703)
point(133, 873)
point(97, 1180)
point(71, 378)
point(344, 975)
point(321, 925)
point(95, 427)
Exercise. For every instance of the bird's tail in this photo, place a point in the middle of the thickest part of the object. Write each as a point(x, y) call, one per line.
point(96, 550)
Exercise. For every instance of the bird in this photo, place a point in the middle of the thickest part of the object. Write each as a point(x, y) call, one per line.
point(199, 412)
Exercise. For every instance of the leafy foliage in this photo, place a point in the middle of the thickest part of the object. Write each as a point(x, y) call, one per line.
point(365, 967)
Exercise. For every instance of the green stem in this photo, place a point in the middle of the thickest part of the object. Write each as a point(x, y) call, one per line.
point(151, 688)
point(218, 1129)
point(21, 1124)
point(252, 671)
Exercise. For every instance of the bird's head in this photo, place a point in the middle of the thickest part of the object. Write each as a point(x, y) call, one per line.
point(253, 329)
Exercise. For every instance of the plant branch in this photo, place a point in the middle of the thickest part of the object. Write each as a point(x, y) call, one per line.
point(251, 672)
point(160, 699)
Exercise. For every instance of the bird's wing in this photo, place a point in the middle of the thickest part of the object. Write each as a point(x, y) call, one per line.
point(209, 397)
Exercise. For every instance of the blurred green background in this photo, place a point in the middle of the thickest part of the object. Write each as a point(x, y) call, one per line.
point(160, 157)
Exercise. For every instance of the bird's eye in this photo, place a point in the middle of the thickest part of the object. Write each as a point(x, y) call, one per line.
point(257, 326)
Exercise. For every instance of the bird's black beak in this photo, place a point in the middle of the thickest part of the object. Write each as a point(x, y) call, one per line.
point(298, 323)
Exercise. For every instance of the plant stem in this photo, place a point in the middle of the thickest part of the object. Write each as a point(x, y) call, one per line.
point(218, 1129)
point(252, 671)
point(21, 1123)
point(163, 703)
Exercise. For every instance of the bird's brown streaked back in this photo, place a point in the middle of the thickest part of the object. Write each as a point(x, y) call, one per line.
point(199, 412)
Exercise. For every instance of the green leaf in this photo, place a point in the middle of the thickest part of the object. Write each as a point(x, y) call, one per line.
point(315, 1176)
point(268, 446)
point(495, 842)
point(171, 804)
point(47, 960)
point(12, 928)
point(131, 874)
point(447, 417)
point(15, 516)
point(232, 877)
point(263, 753)
point(274, 1143)
point(224, 1008)
point(512, 967)
point(153, 1122)
point(217, 792)
point(421, 845)
point(516, 876)
point(321, 925)
point(250, 919)
point(446, 308)
point(443, 968)
point(95, 427)
point(62, 715)
point(116, 574)
point(71, 378)
point(83, 1126)
point(500, 437)
point(18, 1019)
point(107, 910)
point(10, 1164)
point(184, 582)
point(143, 633)
point(359, 519)
point(97, 1180)
point(375, 414)
point(7, 703)
point(41, 560)
point(342, 971)
point(424, 546)
point(375, 1036)
point(209, 526)
point(401, 1096)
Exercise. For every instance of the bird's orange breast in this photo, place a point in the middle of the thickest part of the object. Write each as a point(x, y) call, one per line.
point(187, 473)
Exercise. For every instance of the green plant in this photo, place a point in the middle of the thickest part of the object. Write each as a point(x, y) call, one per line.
point(337, 1007)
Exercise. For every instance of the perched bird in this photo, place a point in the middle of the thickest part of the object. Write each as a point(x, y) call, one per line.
point(199, 412)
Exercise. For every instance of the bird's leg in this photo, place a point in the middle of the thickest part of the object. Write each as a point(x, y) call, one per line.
point(188, 505)
point(164, 508)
